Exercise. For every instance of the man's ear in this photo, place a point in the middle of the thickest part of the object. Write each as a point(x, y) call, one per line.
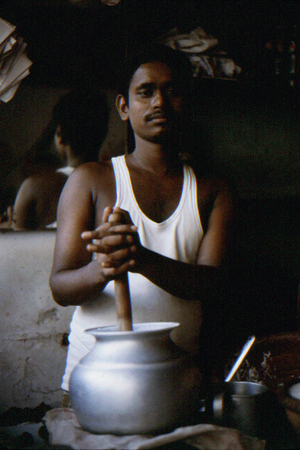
point(58, 135)
point(122, 107)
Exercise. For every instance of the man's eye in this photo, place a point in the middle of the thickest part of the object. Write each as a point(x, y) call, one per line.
point(145, 93)
point(173, 92)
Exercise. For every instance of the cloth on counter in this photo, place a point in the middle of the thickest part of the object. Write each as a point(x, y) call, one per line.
point(64, 429)
point(203, 51)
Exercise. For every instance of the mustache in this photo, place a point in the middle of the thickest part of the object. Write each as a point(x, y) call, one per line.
point(156, 115)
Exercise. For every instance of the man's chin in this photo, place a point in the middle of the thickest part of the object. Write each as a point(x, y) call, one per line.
point(164, 135)
point(162, 139)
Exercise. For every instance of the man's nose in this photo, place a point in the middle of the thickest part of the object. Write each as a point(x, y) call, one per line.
point(158, 98)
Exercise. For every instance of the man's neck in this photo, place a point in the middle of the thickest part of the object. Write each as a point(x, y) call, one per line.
point(73, 160)
point(154, 157)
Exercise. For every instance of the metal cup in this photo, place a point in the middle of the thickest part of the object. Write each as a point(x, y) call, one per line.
point(240, 405)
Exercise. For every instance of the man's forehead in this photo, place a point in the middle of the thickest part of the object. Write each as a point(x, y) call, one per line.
point(153, 72)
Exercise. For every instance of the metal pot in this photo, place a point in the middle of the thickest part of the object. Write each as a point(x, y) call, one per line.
point(241, 405)
point(135, 382)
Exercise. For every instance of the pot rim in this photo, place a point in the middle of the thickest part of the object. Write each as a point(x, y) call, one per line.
point(138, 328)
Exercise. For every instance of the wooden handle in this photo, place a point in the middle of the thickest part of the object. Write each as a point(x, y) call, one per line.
point(123, 303)
point(122, 293)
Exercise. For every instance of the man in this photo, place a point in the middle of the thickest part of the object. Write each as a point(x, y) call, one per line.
point(176, 231)
point(77, 128)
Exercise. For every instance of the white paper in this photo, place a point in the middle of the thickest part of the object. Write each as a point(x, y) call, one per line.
point(8, 95)
point(22, 64)
point(7, 62)
point(6, 29)
point(14, 63)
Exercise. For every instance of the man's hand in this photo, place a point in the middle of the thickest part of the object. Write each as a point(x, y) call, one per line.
point(115, 243)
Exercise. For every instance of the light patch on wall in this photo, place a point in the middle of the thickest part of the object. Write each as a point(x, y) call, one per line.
point(48, 316)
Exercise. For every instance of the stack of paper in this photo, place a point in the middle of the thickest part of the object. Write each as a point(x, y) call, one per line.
point(14, 63)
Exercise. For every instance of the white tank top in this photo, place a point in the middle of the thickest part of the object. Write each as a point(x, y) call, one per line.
point(179, 237)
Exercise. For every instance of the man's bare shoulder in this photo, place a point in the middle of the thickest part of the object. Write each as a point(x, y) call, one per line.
point(210, 186)
point(94, 171)
point(89, 189)
point(43, 182)
point(94, 179)
point(215, 193)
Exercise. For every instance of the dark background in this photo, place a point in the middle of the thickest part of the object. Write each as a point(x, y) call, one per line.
point(72, 43)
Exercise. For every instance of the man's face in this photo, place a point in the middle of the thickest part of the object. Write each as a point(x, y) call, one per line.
point(155, 102)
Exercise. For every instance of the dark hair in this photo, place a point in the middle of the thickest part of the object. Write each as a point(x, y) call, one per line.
point(174, 59)
point(83, 116)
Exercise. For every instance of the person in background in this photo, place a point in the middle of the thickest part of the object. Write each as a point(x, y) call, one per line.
point(78, 128)
point(7, 183)
point(177, 231)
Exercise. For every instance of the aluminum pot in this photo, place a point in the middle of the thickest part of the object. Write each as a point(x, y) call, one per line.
point(135, 382)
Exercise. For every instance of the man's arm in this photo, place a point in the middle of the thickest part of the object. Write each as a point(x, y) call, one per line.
point(187, 280)
point(76, 278)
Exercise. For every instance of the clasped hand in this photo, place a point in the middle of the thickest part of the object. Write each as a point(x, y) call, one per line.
point(114, 243)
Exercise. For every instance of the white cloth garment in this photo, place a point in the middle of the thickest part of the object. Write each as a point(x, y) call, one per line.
point(67, 170)
point(64, 430)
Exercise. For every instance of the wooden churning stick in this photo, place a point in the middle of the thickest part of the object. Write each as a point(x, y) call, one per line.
point(122, 294)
